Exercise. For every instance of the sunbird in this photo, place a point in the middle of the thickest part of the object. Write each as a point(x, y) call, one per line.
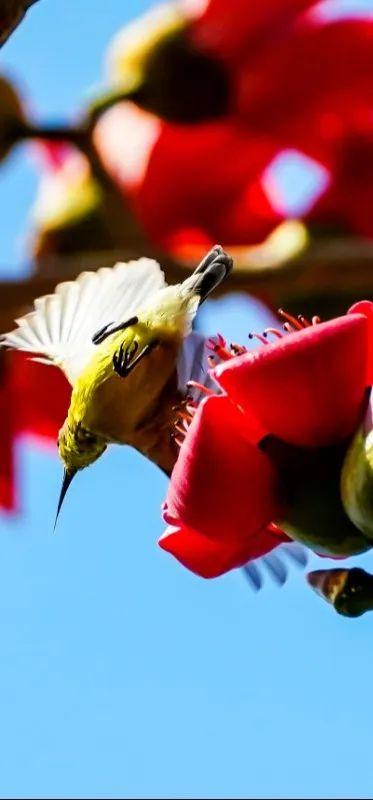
point(124, 340)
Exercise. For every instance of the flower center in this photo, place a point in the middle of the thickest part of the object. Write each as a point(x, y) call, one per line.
point(291, 325)
point(221, 351)
point(184, 415)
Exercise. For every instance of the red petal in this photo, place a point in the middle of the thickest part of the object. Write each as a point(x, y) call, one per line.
point(206, 176)
point(221, 485)
point(366, 307)
point(209, 558)
point(229, 29)
point(7, 488)
point(33, 399)
point(203, 178)
point(42, 397)
point(51, 154)
point(312, 85)
point(347, 202)
point(306, 388)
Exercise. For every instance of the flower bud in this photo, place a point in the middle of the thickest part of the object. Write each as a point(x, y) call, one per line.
point(357, 476)
point(68, 213)
point(350, 591)
point(154, 62)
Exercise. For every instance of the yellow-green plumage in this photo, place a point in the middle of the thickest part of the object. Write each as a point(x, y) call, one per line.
point(136, 410)
point(132, 405)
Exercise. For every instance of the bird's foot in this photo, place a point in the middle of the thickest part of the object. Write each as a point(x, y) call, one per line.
point(124, 360)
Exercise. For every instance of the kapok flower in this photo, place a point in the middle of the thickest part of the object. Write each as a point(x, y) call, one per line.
point(69, 215)
point(225, 100)
point(33, 401)
point(279, 65)
point(346, 203)
point(193, 184)
point(263, 461)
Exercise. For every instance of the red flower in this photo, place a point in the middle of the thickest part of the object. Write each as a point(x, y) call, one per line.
point(221, 478)
point(199, 183)
point(347, 203)
point(294, 81)
point(270, 449)
point(33, 400)
point(293, 73)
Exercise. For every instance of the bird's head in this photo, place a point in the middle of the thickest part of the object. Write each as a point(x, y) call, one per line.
point(78, 448)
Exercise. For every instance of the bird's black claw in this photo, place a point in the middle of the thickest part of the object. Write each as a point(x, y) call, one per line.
point(123, 357)
point(124, 360)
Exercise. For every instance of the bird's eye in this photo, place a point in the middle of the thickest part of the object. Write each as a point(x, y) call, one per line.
point(84, 436)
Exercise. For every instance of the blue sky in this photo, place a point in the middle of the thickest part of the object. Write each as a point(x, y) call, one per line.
point(121, 674)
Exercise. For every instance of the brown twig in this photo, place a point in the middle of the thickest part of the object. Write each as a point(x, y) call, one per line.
point(339, 270)
point(11, 14)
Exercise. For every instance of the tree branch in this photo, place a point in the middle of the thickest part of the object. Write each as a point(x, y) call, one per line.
point(339, 271)
point(11, 14)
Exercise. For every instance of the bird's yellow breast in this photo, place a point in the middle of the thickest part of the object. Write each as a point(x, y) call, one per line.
point(118, 408)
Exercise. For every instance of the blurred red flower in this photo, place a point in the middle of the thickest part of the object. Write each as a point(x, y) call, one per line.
point(33, 400)
point(196, 184)
point(346, 204)
point(265, 457)
point(296, 80)
point(294, 73)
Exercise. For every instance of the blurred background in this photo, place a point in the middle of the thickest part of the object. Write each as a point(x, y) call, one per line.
point(121, 673)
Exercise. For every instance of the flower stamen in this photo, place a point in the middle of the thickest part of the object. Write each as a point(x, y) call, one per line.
point(237, 349)
point(304, 321)
point(183, 416)
point(219, 347)
point(258, 336)
point(200, 387)
point(290, 320)
point(275, 332)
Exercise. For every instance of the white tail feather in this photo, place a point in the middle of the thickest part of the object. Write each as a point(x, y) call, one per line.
point(60, 328)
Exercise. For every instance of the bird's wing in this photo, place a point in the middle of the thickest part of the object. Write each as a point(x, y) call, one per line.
point(192, 365)
point(275, 565)
point(60, 328)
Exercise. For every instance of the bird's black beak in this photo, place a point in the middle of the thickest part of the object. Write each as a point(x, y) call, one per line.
point(68, 475)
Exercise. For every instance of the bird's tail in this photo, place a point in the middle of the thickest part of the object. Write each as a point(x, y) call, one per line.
point(174, 308)
point(212, 270)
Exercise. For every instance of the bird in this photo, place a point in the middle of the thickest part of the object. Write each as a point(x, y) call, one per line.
point(124, 340)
